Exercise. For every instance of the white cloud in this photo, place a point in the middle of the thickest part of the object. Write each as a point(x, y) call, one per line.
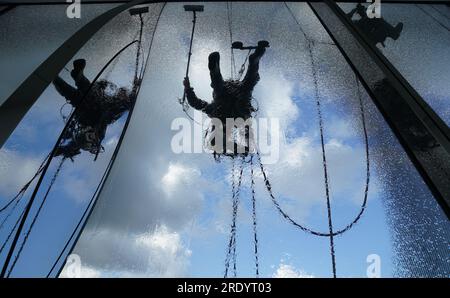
point(289, 271)
point(178, 176)
point(275, 98)
point(84, 272)
point(160, 253)
point(16, 169)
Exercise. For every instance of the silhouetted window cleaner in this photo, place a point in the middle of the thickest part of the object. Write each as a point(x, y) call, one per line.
point(231, 98)
point(376, 29)
point(102, 105)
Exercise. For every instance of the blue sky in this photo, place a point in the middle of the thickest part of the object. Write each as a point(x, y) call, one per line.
point(163, 214)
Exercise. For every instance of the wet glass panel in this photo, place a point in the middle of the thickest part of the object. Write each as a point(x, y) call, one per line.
point(415, 38)
point(166, 214)
point(36, 135)
point(30, 34)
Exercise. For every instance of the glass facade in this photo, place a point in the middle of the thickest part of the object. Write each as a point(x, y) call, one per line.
point(162, 213)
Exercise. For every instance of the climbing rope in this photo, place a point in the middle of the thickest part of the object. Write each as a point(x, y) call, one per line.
point(236, 202)
point(230, 242)
point(324, 160)
point(16, 199)
point(27, 234)
point(311, 42)
point(255, 230)
point(230, 30)
point(366, 184)
point(79, 223)
point(11, 232)
point(322, 143)
point(231, 252)
point(22, 191)
point(242, 69)
point(366, 189)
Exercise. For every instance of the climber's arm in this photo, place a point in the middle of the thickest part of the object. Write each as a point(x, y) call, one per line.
point(192, 99)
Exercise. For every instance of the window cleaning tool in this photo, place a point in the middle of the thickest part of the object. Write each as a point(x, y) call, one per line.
point(238, 45)
point(194, 9)
point(138, 11)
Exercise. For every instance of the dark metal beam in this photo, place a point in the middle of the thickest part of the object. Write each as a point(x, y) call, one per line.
point(414, 123)
point(17, 105)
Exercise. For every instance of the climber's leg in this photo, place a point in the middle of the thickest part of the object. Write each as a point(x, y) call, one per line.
point(77, 74)
point(214, 71)
point(252, 76)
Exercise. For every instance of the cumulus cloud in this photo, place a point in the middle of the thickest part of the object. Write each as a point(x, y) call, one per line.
point(289, 271)
point(83, 272)
point(275, 98)
point(178, 176)
point(16, 169)
point(158, 253)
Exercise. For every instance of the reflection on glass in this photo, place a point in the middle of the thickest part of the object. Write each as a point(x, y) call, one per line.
point(96, 105)
point(417, 47)
point(100, 110)
point(377, 29)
